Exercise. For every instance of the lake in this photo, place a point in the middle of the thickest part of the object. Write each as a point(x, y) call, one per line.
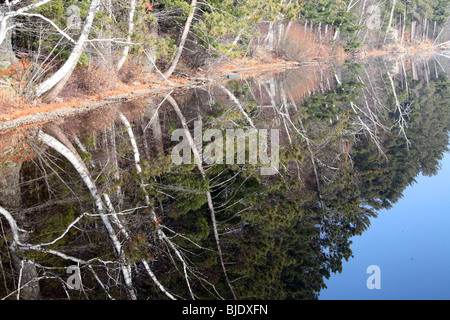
point(272, 185)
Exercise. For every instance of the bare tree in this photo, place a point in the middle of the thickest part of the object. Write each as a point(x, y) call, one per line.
point(53, 86)
point(126, 49)
point(83, 172)
point(183, 39)
point(208, 193)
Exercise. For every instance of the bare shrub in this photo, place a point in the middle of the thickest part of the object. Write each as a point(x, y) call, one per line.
point(298, 44)
point(8, 101)
point(131, 72)
point(91, 80)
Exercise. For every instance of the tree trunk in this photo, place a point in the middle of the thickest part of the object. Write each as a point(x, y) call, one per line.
point(425, 27)
point(156, 129)
point(10, 197)
point(414, 71)
point(404, 25)
point(394, 2)
point(53, 86)
point(336, 34)
point(150, 57)
point(80, 167)
point(434, 30)
point(184, 36)
point(7, 56)
point(126, 50)
point(208, 193)
point(270, 37)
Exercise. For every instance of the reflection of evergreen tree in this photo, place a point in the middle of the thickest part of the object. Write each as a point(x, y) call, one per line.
point(383, 181)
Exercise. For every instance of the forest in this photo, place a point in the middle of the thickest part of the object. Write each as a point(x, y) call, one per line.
point(92, 206)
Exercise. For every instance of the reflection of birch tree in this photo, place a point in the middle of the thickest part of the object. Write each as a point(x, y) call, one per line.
point(114, 206)
point(142, 227)
point(208, 193)
point(401, 121)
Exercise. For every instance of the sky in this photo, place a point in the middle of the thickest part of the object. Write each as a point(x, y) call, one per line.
point(410, 244)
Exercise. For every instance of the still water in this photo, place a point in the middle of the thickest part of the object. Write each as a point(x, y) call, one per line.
point(157, 199)
point(408, 242)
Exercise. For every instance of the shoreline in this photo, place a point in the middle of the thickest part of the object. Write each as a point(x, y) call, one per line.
point(44, 113)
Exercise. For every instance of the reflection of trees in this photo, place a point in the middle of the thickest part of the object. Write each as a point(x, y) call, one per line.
point(139, 227)
point(427, 131)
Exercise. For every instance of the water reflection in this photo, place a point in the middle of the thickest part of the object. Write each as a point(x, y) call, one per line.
point(101, 191)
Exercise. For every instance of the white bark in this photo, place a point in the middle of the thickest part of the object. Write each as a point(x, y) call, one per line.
point(402, 123)
point(12, 224)
point(63, 150)
point(137, 157)
point(155, 280)
point(336, 34)
point(68, 67)
point(208, 193)
point(3, 28)
point(394, 2)
point(269, 40)
point(126, 50)
point(154, 218)
point(404, 25)
point(238, 104)
point(184, 36)
point(115, 217)
point(442, 30)
point(4, 17)
point(150, 58)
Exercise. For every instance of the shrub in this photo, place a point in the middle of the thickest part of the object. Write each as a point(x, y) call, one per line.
point(298, 44)
point(8, 101)
point(93, 80)
point(131, 72)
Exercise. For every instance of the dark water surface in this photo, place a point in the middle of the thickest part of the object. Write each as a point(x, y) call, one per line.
point(333, 148)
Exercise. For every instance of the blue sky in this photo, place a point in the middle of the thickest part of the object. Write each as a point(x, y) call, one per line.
point(410, 243)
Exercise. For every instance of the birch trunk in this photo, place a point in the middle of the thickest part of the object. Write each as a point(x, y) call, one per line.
point(184, 36)
point(10, 196)
point(404, 25)
point(126, 50)
point(84, 174)
point(154, 218)
point(53, 86)
point(394, 2)
point(208, 193)
point(238, 104)
point(7, 56)
point(424, 31)
point(153, 114)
